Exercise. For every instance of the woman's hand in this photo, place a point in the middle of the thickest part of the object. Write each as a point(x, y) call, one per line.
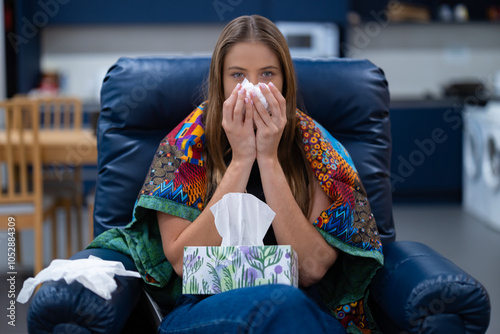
point(270, 124)
point(238, 126)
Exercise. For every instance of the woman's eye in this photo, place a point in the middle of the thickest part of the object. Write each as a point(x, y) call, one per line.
point(267, 74)
point(238, 75)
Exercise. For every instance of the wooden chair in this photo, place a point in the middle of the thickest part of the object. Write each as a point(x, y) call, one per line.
point(90, 214)
point(22, 202)
point(63, 181)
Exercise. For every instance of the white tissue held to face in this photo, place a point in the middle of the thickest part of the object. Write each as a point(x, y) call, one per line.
point(249, 87)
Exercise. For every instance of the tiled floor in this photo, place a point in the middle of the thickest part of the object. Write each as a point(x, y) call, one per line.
point(468, 243)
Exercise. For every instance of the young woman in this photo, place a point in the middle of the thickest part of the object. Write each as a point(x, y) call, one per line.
point(232, 143)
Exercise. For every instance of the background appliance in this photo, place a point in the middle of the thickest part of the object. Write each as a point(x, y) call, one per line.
point(481, 162)
point(311, 39)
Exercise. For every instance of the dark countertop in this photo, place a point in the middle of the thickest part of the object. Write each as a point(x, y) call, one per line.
point(439, 103)
point(424, 103)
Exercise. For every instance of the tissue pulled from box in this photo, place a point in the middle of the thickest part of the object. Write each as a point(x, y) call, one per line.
point(93, 273)
point(242, 260)
point(249, 87)
point(242, 219)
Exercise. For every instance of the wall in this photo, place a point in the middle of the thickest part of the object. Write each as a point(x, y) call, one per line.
point(32, 17)
point(82, 54)
point(419, 59)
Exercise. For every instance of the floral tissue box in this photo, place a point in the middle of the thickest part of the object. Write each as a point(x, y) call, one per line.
point(211, 270)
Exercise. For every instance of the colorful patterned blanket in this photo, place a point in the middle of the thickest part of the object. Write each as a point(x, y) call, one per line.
point(176, 184)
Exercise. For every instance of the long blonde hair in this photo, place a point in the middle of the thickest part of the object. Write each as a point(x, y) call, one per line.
point(255, 28)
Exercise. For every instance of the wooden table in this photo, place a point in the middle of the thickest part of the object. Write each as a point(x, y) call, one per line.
point(64, 146)
point(59, 148)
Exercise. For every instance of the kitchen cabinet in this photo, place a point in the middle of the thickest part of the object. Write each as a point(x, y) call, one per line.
point(426, 162)
point(193, 11)
point(478, 10)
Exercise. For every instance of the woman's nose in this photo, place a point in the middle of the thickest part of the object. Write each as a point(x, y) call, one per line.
point(253, 79)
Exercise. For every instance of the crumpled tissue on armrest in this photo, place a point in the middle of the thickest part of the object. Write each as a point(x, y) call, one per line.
point(93, 273)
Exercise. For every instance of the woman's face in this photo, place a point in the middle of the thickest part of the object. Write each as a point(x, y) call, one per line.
point(253, 61)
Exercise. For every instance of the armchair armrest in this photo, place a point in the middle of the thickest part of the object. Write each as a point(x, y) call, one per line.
point(420, 291)
point(59, 307)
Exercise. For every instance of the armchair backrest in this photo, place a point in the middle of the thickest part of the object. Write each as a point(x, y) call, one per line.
point(142, 99)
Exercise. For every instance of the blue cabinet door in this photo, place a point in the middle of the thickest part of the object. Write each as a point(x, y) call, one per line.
point(426, 162)
point(187, 11)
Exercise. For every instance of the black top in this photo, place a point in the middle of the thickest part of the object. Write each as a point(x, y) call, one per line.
point(254, 187)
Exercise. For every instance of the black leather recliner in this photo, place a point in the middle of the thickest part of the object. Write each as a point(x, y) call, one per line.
point(142, 99)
